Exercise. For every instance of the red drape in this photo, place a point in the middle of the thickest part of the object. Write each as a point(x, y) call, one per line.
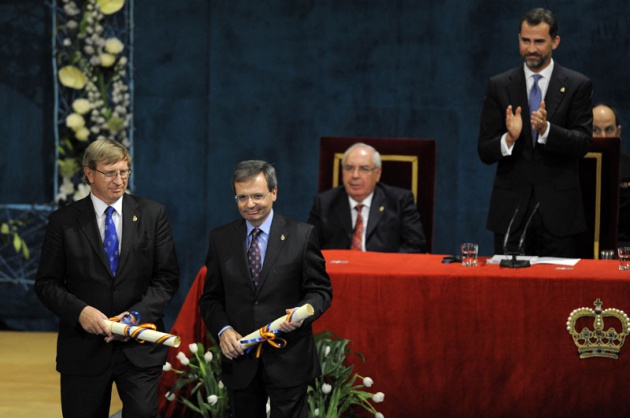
point(190, 328)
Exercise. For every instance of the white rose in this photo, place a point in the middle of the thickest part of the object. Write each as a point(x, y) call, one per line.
point(75, 121)
point(107, 60)
point(81, 106)
point(114, 46)
point(378, 397)
point(82, 133)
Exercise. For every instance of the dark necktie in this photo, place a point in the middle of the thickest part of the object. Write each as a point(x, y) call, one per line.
point(535, 97)
point(357, 236)
point(253, 255)
point(110, 240)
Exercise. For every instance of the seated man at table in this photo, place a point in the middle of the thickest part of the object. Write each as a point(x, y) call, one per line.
point(385, 218)
point(606, 125)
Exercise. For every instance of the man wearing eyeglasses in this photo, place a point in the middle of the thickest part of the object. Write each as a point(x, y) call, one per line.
point(260, 268)
point(108, 255)
point(364, 214)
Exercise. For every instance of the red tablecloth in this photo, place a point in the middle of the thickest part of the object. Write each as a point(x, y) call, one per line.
point(442, 340)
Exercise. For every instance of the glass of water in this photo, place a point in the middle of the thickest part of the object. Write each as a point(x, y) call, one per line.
point(469, 254)
point(624, 258)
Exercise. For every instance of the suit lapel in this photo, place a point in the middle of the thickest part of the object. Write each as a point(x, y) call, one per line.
point(341, 209)
point(278, 237)
point(87, 220)
point(240, 253)
point(377, 208)
point(131, 218)
point(555, 92)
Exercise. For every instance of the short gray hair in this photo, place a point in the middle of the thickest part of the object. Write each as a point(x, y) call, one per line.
point(376, 157)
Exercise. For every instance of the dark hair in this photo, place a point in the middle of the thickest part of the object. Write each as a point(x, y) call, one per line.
point(537, 16)
point(250, 169)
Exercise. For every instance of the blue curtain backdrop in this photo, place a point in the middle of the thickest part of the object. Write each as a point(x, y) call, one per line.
point(217, 82)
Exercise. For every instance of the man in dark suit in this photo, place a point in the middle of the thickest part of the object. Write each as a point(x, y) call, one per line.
point(388, 216)
point(606, 124)
point(83, 286)
point(259, 269)
point(536, 124)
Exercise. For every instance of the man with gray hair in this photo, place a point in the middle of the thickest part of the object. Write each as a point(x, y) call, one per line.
point(364, 214)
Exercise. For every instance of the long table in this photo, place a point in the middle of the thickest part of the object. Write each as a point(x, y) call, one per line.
point(443, 340)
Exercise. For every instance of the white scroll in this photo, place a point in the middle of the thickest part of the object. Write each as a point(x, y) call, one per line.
point(258, 336)
point(144, 333)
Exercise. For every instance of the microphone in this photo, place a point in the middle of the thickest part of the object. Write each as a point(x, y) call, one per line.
point(507, 233)
point(514, 263)
point(529, 221)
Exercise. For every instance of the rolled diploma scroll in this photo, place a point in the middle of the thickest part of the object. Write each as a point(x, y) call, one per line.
point(144, 334)
point(298, 315)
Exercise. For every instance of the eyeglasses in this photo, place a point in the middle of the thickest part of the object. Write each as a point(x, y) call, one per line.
point(363, 169)
point(124, 174)
point(256, 197)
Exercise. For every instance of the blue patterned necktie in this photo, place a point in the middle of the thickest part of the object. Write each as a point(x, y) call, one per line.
point(535, 97)
point(110, 240)
point(253, 255)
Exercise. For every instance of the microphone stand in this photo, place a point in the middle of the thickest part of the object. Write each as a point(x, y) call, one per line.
point(514, 262)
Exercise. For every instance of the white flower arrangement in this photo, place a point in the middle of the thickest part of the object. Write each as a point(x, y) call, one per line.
point(199, 384)
point(334, 394)
point(94, 95)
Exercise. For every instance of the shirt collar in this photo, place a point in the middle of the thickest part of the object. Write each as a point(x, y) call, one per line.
point(265, 227)
point(546, 73)
point(367, 202)
point(100, 206)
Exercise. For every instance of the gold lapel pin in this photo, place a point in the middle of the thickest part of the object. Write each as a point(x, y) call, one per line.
point(562, 90)
point(381, 209)
point(135, 218)
point(282, 237)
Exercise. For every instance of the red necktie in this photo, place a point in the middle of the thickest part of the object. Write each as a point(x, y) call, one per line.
point(253, 255)
point(357, 236)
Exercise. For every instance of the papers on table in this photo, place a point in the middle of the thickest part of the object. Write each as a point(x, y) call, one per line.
point(496, 259)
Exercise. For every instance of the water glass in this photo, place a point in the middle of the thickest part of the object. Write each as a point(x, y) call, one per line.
point(624, 258)
point(469, 254)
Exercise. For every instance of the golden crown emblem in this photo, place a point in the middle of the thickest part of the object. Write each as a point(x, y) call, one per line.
point(597, 342)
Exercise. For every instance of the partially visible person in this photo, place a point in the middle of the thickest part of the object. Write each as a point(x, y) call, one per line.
point(388, 218)
point(260, 268)
point(606, 125)
point(536, 124)
point(108, 255)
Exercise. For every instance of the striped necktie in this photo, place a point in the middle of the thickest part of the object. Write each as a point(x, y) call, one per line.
point(357, 236)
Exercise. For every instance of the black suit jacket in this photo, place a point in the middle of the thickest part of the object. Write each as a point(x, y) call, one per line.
point(548, 172)
point(74, 273)
point(293, 274)
point(393, 223)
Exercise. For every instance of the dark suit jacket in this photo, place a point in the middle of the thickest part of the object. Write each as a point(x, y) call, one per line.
point(74, 273)
point(393, 224)
point(293, 274)
point(550, 171)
